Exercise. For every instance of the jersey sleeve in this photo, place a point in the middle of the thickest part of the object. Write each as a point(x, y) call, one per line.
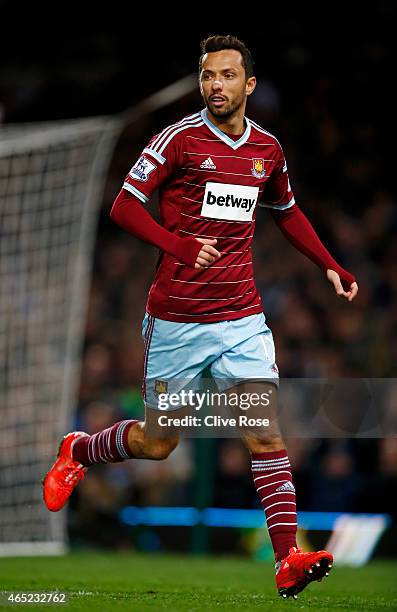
point(278, 194)
point(152, 168)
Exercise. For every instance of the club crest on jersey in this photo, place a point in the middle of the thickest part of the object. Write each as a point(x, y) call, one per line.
point(141, 170)
point(160, 386)
point(258, 168)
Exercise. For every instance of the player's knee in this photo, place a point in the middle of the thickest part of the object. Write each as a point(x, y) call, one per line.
point(162, 448)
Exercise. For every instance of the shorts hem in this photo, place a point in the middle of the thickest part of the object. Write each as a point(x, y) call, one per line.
point(269, 379)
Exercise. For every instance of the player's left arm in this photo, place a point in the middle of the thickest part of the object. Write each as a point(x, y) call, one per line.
point(299, 231)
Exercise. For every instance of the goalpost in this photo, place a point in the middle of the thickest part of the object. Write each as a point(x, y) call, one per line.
point(51, 179)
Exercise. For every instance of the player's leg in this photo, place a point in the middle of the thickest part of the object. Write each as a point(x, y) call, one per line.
point(175, 353)
point(249, 354)
point(128, 439)
point(271, 469)
point(273, 480)
point(78, 451)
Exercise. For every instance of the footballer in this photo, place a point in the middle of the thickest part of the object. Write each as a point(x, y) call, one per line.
point(215, 171)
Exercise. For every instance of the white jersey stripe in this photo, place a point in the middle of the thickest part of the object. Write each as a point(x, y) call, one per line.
point(208, 236)
point(206, 219)
point(156, 155)
point(224, 156)
point(183, 314)
point(212, 282)
point(255, 144)
point(194, 185)
point(249, 263)
point(262, 144)
point(213, 300)
point(278, 206)
point(205, 139)
point(173, 126)
point(181, 129)
point(196, 202)
point(218, 172)
point(261, 129)
point(141, 196)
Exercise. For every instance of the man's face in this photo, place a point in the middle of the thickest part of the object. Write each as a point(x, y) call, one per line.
point(223, 82)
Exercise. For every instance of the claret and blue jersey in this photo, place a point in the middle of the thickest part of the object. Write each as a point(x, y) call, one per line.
point(210, 186)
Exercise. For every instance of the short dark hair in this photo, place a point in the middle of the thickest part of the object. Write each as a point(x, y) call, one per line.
point(219, 43)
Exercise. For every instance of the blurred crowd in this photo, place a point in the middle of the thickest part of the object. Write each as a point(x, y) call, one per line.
point(333, 119)
point(316, 334)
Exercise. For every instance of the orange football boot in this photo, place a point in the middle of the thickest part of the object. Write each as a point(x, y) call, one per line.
point(299, 569)
point(64, 475)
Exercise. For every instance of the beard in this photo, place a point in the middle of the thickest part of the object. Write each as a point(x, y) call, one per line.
point(227, 111)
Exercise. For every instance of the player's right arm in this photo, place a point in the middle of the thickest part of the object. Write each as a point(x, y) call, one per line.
point(152, 169)
point(128, 213)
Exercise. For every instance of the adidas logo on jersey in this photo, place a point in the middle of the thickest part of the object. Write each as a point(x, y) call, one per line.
point(208, 164)
point(287, 487)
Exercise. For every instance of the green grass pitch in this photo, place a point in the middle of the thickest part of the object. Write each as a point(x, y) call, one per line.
point(124, 581)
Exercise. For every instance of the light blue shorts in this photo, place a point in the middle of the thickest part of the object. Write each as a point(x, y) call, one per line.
point(176, 354)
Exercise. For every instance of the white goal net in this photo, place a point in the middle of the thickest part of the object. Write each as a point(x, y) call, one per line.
point(51, 181)
point(51, 178)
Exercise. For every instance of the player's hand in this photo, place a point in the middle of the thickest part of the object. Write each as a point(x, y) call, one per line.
point(334, 278)
point(208, 254)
